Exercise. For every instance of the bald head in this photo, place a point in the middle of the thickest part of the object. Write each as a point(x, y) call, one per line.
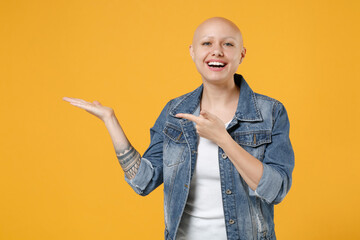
point(205, 29)
point(217, 49)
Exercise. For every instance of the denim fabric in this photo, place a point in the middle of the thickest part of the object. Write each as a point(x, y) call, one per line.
point(260, 126)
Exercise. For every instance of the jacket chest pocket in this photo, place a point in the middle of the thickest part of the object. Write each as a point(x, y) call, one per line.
point(254, 142)
point(174, 145)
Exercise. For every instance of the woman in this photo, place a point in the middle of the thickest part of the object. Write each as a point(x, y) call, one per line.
point(222, 151)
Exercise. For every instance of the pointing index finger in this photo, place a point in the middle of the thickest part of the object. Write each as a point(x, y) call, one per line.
point(187, 116)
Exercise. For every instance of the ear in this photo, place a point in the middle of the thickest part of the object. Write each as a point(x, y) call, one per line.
point(243, 53)
point(191, 49)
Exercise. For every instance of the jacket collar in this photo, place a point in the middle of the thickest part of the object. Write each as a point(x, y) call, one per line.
point(247, 108)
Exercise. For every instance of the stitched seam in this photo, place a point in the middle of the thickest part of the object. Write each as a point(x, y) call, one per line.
point(251, 132)
point(256, 105)
point(273, 113)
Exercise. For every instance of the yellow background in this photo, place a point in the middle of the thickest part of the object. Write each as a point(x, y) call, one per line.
point(59, 176)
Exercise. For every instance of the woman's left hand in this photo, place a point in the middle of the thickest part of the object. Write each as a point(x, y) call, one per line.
point(208, 126)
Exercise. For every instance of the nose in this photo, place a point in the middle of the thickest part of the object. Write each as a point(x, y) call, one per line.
point(217, 51)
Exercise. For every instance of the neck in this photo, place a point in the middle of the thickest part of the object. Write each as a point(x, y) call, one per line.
point(216, 96)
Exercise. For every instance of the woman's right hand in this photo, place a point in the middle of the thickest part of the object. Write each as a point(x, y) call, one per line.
point(95, 108)
point(129, 162)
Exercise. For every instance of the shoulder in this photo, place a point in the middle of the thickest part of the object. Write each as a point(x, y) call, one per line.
point(175, 102)
point(186, 95)
point(184, 101)
point(269, 107)
point(264, 99)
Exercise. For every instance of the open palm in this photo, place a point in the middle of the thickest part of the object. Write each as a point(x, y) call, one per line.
point(94, 107)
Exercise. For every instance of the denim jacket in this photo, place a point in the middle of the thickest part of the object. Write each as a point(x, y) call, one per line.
point(260, 126)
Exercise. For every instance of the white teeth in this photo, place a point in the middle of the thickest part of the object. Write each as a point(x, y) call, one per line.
point(216, 64)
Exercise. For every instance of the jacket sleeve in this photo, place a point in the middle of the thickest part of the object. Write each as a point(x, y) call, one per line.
point(150, 172)
point(278, 162)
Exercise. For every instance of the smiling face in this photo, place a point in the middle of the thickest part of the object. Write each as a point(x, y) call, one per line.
point(217, 50)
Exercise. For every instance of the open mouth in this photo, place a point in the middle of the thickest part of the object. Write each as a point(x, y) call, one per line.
point(216, 64)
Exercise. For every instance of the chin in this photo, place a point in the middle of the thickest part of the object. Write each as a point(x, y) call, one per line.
point(217, 77)
point(215, 80)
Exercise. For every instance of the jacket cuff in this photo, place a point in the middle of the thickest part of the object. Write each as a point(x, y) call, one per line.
point(142, 177)
point(269, 185)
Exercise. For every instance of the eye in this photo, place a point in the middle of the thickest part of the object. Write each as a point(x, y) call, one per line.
point(206, 44)
point(229, 44)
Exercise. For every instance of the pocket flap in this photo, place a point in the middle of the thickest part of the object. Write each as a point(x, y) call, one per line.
point(174, 133)
point(254, 138)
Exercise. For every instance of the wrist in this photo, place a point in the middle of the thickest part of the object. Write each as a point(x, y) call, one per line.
point(224, 139)
point(110, 118)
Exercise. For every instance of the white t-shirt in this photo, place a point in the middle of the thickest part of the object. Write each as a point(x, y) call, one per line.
point(203, 216)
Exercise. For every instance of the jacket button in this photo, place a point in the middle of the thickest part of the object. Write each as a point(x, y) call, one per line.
point(228, 192)
point(223, 156)
point(231, 221)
